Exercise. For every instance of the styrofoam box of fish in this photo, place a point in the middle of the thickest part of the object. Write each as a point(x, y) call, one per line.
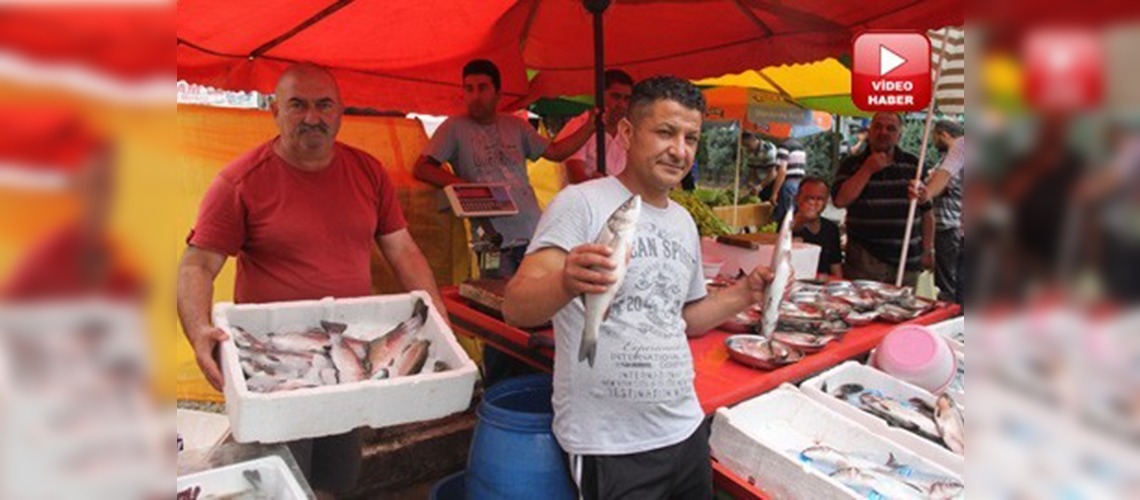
point(762, 439)
point(823, 386)
point(953, 330)
point(286, 415)
point(266, 477)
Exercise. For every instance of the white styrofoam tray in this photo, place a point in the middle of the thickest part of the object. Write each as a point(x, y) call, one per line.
point(278, 481)
point(948, 329)
point(323, 411)
point(201, 430)
point(851, 372)
point(759, 439)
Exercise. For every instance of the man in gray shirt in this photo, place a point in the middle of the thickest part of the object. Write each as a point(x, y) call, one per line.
point(487, 146)
point(631, 422)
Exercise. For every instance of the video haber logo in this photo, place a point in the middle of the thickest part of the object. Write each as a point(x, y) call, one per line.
point(891, 71)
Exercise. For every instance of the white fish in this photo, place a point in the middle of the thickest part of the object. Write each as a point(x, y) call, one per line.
point(300, 342)
point(886, 486)
point(840, 460)
point(900, 414)
point(782, 270)
point(948, 418)
point(617, 233)
point(348, 366)
point(946, 490)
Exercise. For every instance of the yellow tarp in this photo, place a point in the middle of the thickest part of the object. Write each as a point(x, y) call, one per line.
point(209, 138)
point(828, 77)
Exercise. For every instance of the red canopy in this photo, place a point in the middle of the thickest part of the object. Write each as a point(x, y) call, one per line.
point(407, 54)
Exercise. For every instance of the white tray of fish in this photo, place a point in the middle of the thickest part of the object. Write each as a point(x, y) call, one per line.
point(266, 478)
point(894, 409)
point(953, 330)
point(315, 368)
point(793, 447)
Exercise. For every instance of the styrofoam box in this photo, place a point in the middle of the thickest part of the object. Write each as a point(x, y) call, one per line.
point(278, 481)
point(948, 329)
point(760, 439)
point(805, 259)
point(335, 409)
point(851, 372)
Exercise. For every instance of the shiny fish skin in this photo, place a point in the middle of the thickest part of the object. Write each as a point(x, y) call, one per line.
point(348, 366)
point(617, 234)
point(782, 275)
point(948, 419)
point(413, 358)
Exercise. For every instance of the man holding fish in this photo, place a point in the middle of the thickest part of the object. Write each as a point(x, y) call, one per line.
point(617, 265)
point(300, 213)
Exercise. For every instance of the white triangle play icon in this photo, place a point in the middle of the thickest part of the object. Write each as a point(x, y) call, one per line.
point(889, 61)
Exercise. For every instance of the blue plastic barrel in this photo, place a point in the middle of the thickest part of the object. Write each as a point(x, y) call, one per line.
point(514, 453)
point(449, 488)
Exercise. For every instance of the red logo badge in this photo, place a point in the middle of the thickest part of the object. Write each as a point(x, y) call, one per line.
point(1064, 70)
point(891, 72)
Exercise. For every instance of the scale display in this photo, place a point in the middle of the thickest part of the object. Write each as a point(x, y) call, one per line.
point(481, 200)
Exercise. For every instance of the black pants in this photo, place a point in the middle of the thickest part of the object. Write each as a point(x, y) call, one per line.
point(681, 471)
point(498, 365)
point(947, 256)
point(331, 464)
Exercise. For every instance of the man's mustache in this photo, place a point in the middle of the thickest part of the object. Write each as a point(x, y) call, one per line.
point(320, 127)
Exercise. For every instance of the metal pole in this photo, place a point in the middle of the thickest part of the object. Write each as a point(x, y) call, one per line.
point(597, 8)
point(922, 157)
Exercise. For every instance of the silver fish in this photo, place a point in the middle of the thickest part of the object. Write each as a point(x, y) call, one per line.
point(348, 366)
point(413, 358)
point(617, 233)
point(383, 352)
point(783, 274)
point(840, 460)
point(300, 342)
point(900, 414)
point(948, 419)
point(946, 490)
point(886, 486)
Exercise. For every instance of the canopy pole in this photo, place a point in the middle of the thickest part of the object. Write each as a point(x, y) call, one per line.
point(598, 8)
point(736, 182)
point(921, 160)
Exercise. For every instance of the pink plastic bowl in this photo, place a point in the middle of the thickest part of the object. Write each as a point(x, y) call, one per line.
point(914, 354)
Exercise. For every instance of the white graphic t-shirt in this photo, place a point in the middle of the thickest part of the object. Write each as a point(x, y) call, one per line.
point(639, 394)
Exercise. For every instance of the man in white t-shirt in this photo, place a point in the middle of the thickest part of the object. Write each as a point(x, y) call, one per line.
point(630, 421)
point(583, 164)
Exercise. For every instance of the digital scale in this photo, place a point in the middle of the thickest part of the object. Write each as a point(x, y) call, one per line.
point(481, 200)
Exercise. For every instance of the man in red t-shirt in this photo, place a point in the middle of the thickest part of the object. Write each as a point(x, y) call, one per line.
point(300, 213)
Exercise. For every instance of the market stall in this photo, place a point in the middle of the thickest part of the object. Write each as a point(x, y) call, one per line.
point(719, 382)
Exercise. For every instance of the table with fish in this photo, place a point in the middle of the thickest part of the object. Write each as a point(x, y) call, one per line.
point(719, 381)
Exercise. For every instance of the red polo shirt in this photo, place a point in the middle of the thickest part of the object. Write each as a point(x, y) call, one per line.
point(296, 234)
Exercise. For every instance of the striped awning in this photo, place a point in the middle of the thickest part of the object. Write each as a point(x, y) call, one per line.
point(950, 94)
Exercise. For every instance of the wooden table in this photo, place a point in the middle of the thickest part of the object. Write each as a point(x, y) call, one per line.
point(719, 381)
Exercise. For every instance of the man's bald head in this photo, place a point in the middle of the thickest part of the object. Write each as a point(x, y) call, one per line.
point(306, 72)
point(307, 109)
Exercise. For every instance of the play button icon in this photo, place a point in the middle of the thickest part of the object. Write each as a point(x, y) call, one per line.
point(889, 61)
point(890, 71)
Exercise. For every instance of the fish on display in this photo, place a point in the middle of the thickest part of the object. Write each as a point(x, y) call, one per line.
point(948, 419)
point(617, 234)
point(888, 487)
point(782, 275)
point(383, 352)
point(413, 358)
point(900, 414)
point(325, 356)
point(348, 367)
point(826, 455)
